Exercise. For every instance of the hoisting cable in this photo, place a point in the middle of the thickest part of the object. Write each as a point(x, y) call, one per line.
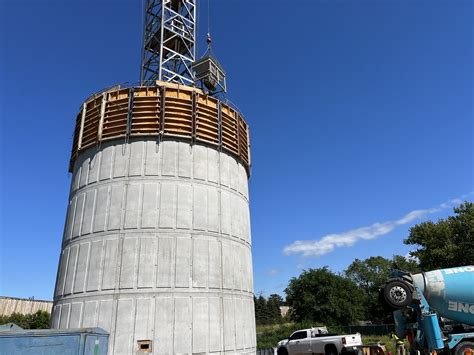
point(208, 16)
point(208, 39)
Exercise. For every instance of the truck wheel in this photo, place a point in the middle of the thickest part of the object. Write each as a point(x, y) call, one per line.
point(397, 294)
point(282, 351)
point(464, 347)
point(330, 350)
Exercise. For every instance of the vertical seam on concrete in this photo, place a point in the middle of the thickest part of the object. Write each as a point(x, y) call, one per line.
point(133, 340)
point(94, 207)
point(68, 314)
point(58, 319)
point(174, 255)
point(71, 230)
point(136, 262)
point(174, 320)
point(113, 321)
point(191, 262)
point(118, 266)
point(208, 340)
point(156, 242)
point(153, 326)
point(175, 206)
point(81, 220)
point(86, 272)
point(190, 301)
point(142, 163)
point(140, 205)
point(81, 313)
point(107, 207)
point(99, 165)
point(111, 163)
point(65, 271)
point(74, 270)
point(103, 251)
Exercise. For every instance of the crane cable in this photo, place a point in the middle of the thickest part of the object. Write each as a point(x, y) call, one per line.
point(209, 39)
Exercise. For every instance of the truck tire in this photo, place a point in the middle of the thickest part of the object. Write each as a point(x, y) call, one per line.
point(282, 351)
point(463, 347)
point(330, 349)
point(397, 294)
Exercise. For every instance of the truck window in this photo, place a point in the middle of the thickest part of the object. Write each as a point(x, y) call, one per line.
point(298, 335)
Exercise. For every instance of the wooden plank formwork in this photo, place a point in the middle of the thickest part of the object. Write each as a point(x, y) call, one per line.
point(167, 111)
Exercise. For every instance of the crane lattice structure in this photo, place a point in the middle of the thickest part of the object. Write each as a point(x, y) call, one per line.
point(169, 41)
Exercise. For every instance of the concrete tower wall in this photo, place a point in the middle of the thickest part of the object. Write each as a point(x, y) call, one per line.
point(157, 247)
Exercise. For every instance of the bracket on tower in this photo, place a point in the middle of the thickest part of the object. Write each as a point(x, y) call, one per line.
point(169, 39)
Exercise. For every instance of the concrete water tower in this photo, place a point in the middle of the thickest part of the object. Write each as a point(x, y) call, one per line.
point(156, 246)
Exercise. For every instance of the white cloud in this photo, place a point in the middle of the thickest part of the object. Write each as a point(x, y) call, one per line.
point(329, 242)
point(272, 272)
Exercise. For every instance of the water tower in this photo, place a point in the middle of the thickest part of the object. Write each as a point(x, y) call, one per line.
point(156, 247)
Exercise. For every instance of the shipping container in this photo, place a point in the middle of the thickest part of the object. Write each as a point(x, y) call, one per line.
point(83, 341)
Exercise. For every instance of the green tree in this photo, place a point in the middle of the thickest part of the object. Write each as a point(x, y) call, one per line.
point(267, 311)
point(262, 314)
point(406, 264)
point(446, 243)
point(38, 320)
point(274, 302)
point(319, 295)
point(370, 275)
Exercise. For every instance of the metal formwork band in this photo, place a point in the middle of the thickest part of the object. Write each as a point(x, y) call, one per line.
point(102, 116)
point(194, 108)
point(219, 120)
point(130, 112)
point(237, 120)
point(162, 110)
point(81, 131)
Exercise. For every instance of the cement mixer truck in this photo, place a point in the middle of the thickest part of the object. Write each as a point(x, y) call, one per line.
point(424, 302)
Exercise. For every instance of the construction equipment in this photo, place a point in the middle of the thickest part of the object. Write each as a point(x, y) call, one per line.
point(423, 301)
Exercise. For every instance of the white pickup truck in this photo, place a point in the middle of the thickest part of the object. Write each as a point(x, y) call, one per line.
point(317, 341)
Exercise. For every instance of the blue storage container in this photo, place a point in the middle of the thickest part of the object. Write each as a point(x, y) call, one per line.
point(84, 341)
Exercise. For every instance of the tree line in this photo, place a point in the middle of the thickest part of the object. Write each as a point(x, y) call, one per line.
point(38, 320)
point(324, 297)
point(267, 310)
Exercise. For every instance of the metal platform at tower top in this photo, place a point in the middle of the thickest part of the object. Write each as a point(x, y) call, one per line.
point(169, 41)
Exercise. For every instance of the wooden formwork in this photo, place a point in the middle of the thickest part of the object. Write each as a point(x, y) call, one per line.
point(164, 110)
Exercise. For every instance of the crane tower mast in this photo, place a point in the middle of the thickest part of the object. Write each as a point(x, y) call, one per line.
point(169, 41)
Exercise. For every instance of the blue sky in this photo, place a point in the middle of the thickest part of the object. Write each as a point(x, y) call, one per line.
point(360, 112)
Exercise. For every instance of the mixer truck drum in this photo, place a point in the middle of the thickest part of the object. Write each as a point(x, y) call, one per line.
point(398, 294)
